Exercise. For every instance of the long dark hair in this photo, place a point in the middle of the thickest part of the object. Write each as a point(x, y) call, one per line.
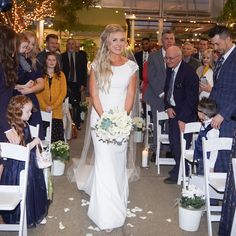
point(57, 68)
point(8, 54)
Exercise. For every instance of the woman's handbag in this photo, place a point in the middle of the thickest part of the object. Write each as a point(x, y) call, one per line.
point(43, 156)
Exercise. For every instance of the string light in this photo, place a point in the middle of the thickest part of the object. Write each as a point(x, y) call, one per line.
point(24, 14)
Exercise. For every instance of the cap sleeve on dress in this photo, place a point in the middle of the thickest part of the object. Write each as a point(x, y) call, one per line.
point(134, 67)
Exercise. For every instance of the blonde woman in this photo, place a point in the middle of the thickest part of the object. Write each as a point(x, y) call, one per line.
point(112, 85)
point(205, 73)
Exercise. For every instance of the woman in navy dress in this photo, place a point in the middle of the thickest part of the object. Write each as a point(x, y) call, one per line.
point(8, 78)
point(229, 202)
point(18, 113)
point(33, 75)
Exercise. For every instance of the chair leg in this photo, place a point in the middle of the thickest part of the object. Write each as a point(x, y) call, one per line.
point(158, 158)
point(180, 175)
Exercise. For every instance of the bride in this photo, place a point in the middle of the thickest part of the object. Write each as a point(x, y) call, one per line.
point(112, 84)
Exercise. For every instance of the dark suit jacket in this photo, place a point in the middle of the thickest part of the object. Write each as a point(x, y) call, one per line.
point(197, 56)
point(224, 93)
point(139, 59)
point(5, 95)
point(186, 90)
point(80, 67)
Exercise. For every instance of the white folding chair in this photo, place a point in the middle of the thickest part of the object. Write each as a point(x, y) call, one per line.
point(187, 154)
point(162, 138)
point(47, 117)
point(149, 125)
point(214, 181)
point(13, 195)
point(34, 131)
point(233, 229)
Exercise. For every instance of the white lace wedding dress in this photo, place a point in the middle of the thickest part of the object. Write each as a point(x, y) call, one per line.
point(107, 183)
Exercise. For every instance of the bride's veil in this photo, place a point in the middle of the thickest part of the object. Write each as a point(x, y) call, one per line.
point(79, 170)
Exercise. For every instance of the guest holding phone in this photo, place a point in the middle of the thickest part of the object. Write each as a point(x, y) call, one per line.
point(205, 73)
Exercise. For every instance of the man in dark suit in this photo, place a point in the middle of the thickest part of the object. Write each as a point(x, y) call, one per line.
point(202, 46)
point(156, 81)
point(52, 45)
point(75, 70)
point(142, 56)
point(181, 100)
point(224, 90)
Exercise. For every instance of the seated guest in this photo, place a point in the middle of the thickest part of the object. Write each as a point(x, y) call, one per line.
point(206, 110)
point(52, 97)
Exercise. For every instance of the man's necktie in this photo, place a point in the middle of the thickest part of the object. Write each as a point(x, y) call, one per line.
point(72, 68)
point(217, 68)
point(171, 87)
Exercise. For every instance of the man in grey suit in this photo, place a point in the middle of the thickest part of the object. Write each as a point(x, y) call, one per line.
point(224, 89)
point(156, 82)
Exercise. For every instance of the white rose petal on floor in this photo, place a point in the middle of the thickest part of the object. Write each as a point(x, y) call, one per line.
point(94, 228)
point(66, 209)
point(71, 199)
point(130, 225)
point(143, 217)
point(89, 235)
point(149, 212)
point(50, 217)
point(61, 226)
point(168, 220)
point(136, 209)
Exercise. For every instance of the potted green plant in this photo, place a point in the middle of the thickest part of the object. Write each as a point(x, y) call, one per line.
point(191, 205)
point(60, 154)
point(138, 124)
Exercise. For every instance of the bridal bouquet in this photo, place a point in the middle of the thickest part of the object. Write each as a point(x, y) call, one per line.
point(114, 127)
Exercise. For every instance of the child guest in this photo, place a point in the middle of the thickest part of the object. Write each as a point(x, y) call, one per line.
point(206, 110)
point(18, 113)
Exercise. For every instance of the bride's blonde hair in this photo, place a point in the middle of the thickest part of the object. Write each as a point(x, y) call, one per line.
point(103, 70)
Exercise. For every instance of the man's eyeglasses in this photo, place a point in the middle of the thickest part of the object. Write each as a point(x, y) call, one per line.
point(170, 58)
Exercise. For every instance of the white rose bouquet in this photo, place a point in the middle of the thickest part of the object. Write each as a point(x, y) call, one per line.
point(114, 127)
point(138, 123)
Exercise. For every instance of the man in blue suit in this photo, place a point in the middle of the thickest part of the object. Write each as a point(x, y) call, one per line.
point(224, 90)
point(181, 100)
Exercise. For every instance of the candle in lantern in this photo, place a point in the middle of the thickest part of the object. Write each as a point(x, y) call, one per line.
point(145, 158)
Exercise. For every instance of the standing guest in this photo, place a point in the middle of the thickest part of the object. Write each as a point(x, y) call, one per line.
point(52, 45)
point(205, 74)
point(8, 79)
point(53, 95)
point(202, 46)
point(187, 50)
point(137, 48)
point(75, 70)
point(142, 56)
point(30, 80)
point(181, 100)
point(224, 90)
point(156, 82)
point(229, 201)
point(112, 85)
point(18, 113)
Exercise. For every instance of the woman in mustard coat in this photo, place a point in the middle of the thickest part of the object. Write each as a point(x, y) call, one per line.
point(53, 95)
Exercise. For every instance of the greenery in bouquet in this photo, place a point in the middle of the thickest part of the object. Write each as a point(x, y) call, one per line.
point(192, 198)
point(138, 123)
point(84, 106)
point(114, 127)
point(60, 151)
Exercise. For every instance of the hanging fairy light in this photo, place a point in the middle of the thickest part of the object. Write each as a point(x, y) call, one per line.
point(22, 14)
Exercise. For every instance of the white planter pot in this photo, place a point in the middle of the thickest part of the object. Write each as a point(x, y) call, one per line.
point(82, 115)
point(189, 220)
point(58, 168)
point(138, 136)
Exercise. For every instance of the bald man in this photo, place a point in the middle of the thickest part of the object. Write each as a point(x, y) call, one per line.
point(181, 99)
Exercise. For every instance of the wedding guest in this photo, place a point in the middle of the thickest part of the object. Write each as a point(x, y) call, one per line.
point(205, 74)
point(18, 113)
point(224, 90)
point(107, 91)
point(202, 46)
point(8, 79)
point(206, 110)
point(53, 95)
point(30, 80)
